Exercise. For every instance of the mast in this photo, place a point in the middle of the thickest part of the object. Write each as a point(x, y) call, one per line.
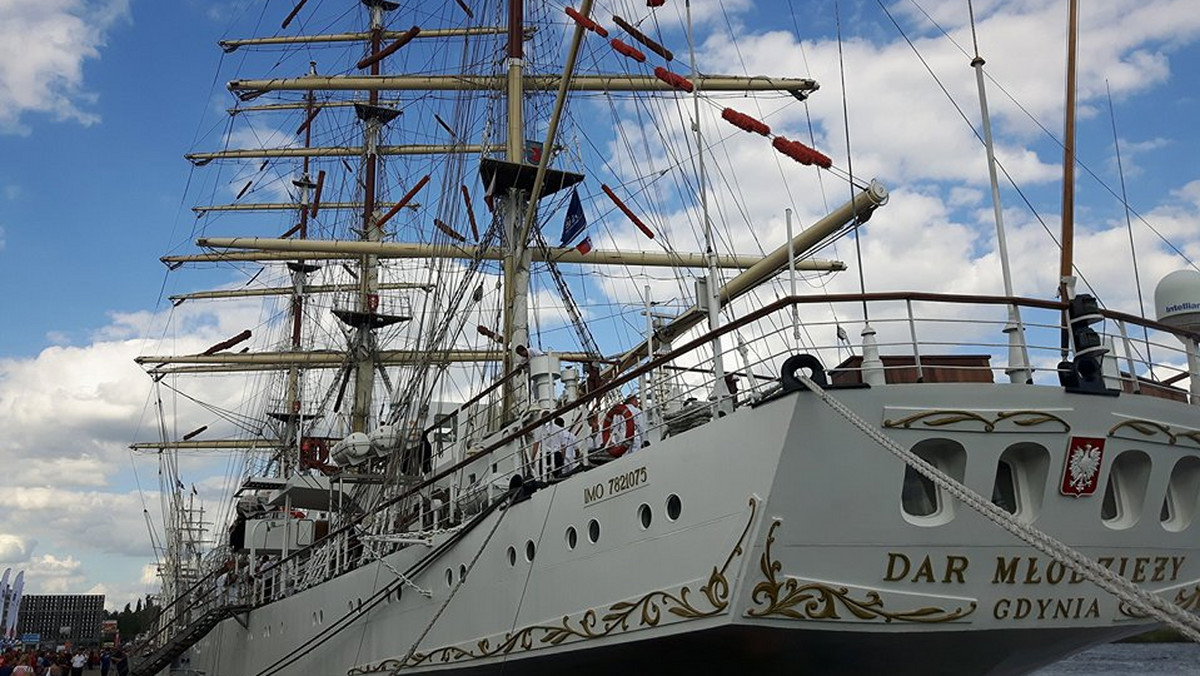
point(367, 303)
point(516, 261)
point(299, 271)
point(1066, 287)
point(1018, 354)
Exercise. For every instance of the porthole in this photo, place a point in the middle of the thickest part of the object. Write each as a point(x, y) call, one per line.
point(572, 537)
point(314, 621)
point(674, 507)
point(530, 550)
point(1020, 480)
point(644, 515)
point(449, 577)
point(462, 571)
point(1125, 491)
point(594, 531)
point(921, 502)
point(512, 556)
point(321, 616)
point(1179, 503)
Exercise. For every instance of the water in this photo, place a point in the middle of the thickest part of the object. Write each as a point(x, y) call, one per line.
point(1128, 659)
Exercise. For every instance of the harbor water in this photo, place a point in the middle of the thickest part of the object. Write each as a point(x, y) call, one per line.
point(1127, 659)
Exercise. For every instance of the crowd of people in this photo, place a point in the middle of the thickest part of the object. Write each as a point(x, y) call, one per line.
point(20, 662)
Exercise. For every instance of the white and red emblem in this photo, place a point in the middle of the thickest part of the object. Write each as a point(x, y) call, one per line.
point(1081, 473)
point(372, 301)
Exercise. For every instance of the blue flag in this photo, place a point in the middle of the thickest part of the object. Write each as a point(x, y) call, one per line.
point(575, 222)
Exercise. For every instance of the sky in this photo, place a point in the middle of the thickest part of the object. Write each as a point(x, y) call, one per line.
point(100, 99)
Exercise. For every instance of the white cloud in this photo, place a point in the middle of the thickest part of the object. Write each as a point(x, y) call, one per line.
point(48, 574)
point(14, 548)
point(43, 47)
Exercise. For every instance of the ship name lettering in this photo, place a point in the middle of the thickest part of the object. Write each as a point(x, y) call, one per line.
point(899, 566)
point(1034, 570)
point(1022, 608)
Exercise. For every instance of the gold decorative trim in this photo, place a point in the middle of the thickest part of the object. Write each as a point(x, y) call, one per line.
point(1150, 428)
point(1146, 428)
point(942, 418)
point(1186, 598)
point(791, 599)
point(645, 612)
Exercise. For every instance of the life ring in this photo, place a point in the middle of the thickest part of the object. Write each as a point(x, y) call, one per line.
point(616, 450)
point(801, 361)
point(314, 452)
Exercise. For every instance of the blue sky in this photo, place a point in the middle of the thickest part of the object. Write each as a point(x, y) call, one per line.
point(100, 99)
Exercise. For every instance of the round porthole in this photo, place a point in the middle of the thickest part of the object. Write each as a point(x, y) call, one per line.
point(449, 577)
point(572, 537)
point(530, 550)
point(594, 531)
point(462, 571)
point(512, 556)
point(674, 507)
point(644, 516)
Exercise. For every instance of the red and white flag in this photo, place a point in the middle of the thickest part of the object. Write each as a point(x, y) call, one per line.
point(585, 246)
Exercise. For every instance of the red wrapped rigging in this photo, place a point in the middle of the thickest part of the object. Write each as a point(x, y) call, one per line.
point(470, 213)
point(675, 80)
point(450, 232)
point(368, 61)
point(317, 193)
point(646, 40)
point(226, 344)
point(628, 50)
point(632, 217)
point(744, 121)
point(586, 22)
point(801, 153)
point(292, 14)
point(403, 201)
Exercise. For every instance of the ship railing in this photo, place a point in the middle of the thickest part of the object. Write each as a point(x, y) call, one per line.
point(923, 337)
point(913, 338)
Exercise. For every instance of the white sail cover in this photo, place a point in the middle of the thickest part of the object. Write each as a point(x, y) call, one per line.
point(14, 604)
point(3, 600)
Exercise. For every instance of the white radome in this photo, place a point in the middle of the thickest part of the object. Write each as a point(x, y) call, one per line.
point(1177, 300)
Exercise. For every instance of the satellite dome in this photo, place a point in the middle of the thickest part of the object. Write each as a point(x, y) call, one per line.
point(1177, 300)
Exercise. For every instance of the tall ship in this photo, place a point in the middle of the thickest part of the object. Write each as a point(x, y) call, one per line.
point(525, 385)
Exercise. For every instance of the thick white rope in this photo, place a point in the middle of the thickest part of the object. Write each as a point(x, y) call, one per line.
point(1151, 604)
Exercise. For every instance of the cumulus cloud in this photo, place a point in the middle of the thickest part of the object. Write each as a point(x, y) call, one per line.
point(43, 47)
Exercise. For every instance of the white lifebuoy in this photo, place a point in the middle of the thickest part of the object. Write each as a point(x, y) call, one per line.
point(621, 447)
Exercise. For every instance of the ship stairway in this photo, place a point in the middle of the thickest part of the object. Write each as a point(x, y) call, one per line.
point(154, 662)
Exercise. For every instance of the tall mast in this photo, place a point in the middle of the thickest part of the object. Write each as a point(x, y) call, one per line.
point(517, 261)
point(1066, 268)
point(300, 271)
point(368, 296)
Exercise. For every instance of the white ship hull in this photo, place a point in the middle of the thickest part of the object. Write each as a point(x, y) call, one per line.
point(791, 550)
